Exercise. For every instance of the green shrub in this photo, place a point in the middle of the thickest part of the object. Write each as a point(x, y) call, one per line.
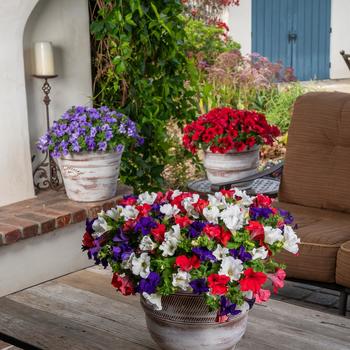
point(206, 41)
point(278, 108)
point(140, 69)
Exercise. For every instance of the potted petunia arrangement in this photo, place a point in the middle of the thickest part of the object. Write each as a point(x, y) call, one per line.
point(88, 144)
point(230, 140)
point(198, 263)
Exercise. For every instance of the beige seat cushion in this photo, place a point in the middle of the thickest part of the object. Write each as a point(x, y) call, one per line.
point(321, 232)
point(317, 166)
point(343, 265)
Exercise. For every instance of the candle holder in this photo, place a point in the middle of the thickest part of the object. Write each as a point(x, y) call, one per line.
point(47, 174)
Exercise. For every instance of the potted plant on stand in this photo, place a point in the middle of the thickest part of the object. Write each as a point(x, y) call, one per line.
point(230, 140)
point(198, 264)
point(88, 144)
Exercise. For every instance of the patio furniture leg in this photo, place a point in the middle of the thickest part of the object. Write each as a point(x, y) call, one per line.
point(343, 302)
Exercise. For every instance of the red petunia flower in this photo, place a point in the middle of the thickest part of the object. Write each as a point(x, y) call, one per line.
point(159, 232)
point(144, 209)
point(123, 284)
point(183, 221)
point(187, 264)
point(252, 280)
point(88, 241)
point(256, 230)
point(218, 283)
point(263, 201)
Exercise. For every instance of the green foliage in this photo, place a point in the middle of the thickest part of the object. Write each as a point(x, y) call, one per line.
point(278, 108)
point(141, 69)
point(206, 42)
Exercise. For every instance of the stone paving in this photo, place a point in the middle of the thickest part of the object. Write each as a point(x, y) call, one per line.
point(310, 296)
point(342, 85)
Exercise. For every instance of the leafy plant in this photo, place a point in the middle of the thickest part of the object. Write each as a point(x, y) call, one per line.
point(140, 68)
point(206, 41)
point(278, 108)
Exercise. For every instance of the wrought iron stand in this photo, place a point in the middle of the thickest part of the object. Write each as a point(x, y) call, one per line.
point(47, 175)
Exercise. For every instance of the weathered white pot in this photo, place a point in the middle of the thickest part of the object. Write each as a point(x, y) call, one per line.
point(90, 176)
point(231, 166)
point(185, 323)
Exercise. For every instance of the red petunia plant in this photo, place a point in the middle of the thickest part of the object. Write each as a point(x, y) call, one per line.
point(225, 129)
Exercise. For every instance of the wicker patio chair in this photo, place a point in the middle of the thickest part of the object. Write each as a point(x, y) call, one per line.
point(315, 188)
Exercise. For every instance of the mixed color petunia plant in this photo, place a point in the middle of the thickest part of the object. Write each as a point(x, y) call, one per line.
point(221, 247)
point(225, 129)
point(89, 129)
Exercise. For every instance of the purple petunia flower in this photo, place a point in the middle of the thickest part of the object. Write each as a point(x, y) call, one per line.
point(288, 218)
point(88, 225)
point(199, 286)
point(89, 129)
point(145, 224)
point(204, 254)
point(196, 228)
point(149, 284)
point(226, 307)
point(120, 236)
point(122, 252)
point(256, 213)
point(241, 254)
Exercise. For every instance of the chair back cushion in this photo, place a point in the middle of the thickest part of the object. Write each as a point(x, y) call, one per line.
point(317, 165)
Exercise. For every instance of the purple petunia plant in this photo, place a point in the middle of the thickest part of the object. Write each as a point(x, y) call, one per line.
point(85, 129)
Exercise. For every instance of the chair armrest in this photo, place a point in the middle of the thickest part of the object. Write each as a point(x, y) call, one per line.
point(346, 58)
point(273, 172)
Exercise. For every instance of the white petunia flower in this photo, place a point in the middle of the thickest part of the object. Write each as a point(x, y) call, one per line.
point(100, 225)
point(246, 200)
point(233, 217)
point(220, 252)
point(168, 210)
point(175, 232)
point(169, 246)
point(272, 235)
point(147, 198)
point(175, 194)
point(154, 299)
point(129, 212)
point(231, 267)
point(147, 244)
point(211, 214)
point(141, 265)
point(291, 240)
point(181, 280)
point(188, 205)
point(127, 264)
point(114, 213)
point(259, 253)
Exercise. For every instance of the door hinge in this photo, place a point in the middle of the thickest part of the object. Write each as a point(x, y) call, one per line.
point(330, 30)
point(330, 64)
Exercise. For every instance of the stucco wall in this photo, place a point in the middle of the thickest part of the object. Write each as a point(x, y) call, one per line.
point(15, 165)
point(65, 23)
point(239, 21)
point(340, 39)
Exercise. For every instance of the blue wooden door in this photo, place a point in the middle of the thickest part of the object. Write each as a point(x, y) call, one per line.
point(295, 32)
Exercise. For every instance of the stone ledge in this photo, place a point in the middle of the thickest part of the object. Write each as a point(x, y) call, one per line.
point(50, 210)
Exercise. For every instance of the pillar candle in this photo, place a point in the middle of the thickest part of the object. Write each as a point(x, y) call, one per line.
point(44, 62)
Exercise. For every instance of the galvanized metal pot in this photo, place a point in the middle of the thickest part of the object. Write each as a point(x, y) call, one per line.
point(231, 166)
point(90, 176)
point(185, 323)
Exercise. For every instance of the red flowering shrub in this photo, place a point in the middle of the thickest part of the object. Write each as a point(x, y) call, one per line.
point(224, 129)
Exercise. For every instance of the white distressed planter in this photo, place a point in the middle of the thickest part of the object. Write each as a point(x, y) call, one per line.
point(90, 176)
point(231, 166)
point(185, 322)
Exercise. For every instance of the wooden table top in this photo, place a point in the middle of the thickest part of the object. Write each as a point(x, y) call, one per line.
point(82, 311)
